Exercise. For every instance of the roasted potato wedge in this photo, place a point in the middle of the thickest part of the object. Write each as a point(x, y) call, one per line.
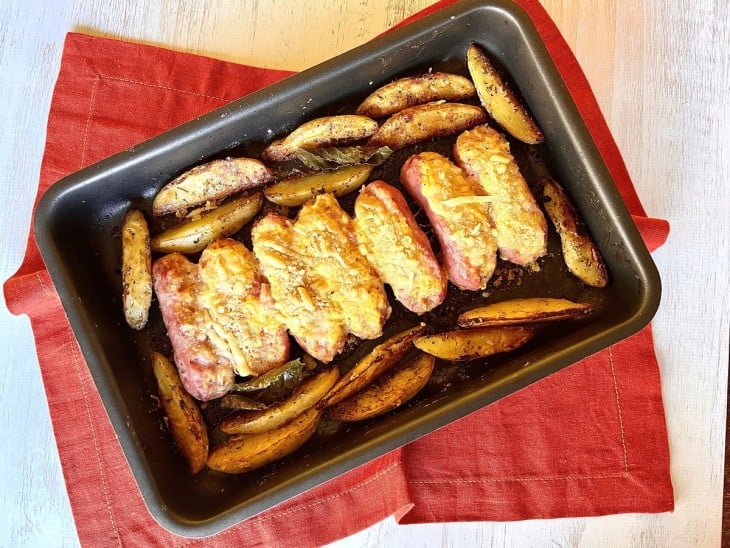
point(383, 357)
point(136, 269)
point(388, 392)
point(499, 100)
point(194, 235)
point(184, 419)
point(472, 344)
point(523, 311)
point(245, 452)
point(294, 191)
point(307, 394)
point(321, 132)
point(580, 253)
point(415, 90)
point(422, 122)
point(210, 182)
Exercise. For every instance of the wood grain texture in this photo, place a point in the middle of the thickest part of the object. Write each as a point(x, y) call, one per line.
point(661, 73)
point(725, 538)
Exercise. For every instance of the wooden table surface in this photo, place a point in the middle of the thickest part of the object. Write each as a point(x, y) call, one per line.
point(661, 73)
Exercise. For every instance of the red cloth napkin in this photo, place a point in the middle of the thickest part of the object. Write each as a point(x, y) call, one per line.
point(588, 440)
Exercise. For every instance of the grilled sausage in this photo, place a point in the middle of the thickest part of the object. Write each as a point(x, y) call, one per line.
point(323, 286)
point(459, 214)
point(201, 358)
point(395, 245)
point(484, 155)
point(242, 311)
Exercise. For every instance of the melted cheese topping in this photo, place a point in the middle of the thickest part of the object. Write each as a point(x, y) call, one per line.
point(249, 327)
point(323, 286)
point(402, 257)
point(462, 200)
point(451, 196)
point(201, 356)
point(520, 225)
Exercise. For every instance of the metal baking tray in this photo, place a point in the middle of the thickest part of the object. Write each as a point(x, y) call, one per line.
point(77, 229)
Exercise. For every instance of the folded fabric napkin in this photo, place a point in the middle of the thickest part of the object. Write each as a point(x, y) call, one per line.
point(588, 440)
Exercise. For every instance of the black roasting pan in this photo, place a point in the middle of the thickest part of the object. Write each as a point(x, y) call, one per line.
point(77, 228)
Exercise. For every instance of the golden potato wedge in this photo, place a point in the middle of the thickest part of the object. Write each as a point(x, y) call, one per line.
point(366, 370)
point(415, 90)
point(184, 419)
point(194, 235)
point(523, 311)
point(386, 393)
point(472, 344)
point(210, 182)
point(294, 191)
point(423, 122)
point(307, 394)
point(245, 452)
point(499, 100)
point(321, 132)
point(580, 253)
point(136, 269)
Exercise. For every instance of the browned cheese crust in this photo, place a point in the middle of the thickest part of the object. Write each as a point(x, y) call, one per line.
point(395, 245)
point(484, 154)
point(323, 286)
point(459, 214)
point(205, 369)
point(241, 308)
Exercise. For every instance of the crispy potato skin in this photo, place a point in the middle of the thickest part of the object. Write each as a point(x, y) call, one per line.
point(393, 389)
point(484, 155)
point(422, 122)
point(306, 395)
point(184, 419)
point(472, 344)
point(499, 100)
point(210, 182)
point(580, 253)
point(321, 132)
point(381, 359)
point(195, 235)
point(136, 269)
point(415, 90)
point(245, 452)
point(296, 191)
point(395, 245)
point(523, 311)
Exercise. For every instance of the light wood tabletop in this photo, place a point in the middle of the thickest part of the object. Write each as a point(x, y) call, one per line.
point(661, 73)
